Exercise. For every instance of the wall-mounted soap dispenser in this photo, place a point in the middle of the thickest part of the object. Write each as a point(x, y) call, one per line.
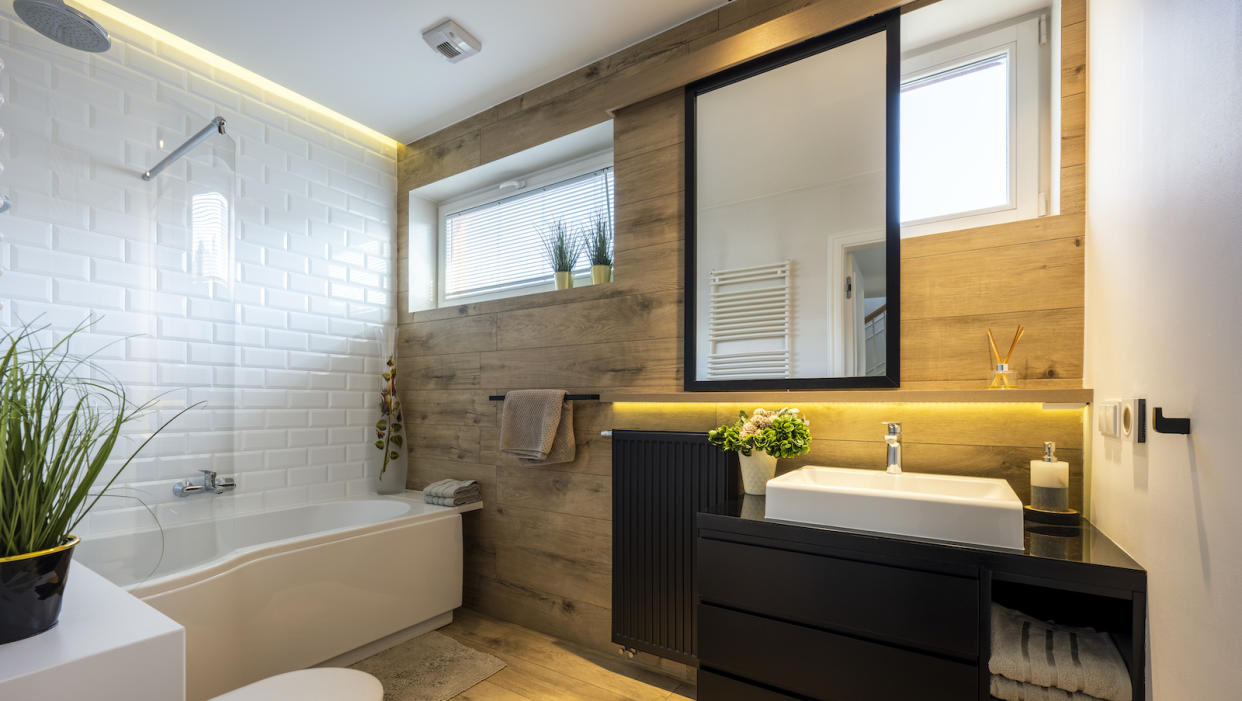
point(1050, 490)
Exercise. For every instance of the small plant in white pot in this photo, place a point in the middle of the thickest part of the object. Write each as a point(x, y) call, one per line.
point(61, 417)
point(563, 252)
point(760, 439)
point(598, 243)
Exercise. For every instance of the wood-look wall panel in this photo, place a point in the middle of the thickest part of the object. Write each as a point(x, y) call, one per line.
point(1074, 130)
point(1040, 275)
point(461, 335)
point(970, 425)
point(539, 554)
point(455, 371)
point(449, 407)
point(632, 318)
point(1074, 189)
point(573, 493)
point(956, 348)
point(994, 236)
point(1073, 58)
point(656, 220)
point(650, 124)
point(446, 442)
point(563, 617)
point(636, 364)
point(660, 171)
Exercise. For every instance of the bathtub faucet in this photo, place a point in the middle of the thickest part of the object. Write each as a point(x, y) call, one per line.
point(185, 488)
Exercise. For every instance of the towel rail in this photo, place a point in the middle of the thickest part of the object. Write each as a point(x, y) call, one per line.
point(570, 397)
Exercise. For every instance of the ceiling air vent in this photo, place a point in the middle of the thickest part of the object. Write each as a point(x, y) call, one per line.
point(451, 41)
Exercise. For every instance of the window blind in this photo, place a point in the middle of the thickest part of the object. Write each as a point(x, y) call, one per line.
point(498, 245)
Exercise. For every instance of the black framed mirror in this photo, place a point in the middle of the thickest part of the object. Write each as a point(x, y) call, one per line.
point(792, 230)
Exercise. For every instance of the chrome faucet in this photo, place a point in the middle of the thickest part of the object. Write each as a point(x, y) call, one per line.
point(892, 437)
point(185, 488)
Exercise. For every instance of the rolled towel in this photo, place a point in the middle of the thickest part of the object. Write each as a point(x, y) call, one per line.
point(449, 492)
point(1031, 651)
point(1008, 690)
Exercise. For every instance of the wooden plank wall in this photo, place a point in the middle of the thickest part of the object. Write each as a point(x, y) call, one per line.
point(539, 554)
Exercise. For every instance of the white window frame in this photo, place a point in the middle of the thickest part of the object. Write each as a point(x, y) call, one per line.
point(492, 193)
point(1029, 117)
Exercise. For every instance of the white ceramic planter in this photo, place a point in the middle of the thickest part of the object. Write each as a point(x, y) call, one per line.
point(757, 469)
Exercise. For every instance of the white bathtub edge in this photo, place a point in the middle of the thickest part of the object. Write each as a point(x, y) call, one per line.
point(388, 641)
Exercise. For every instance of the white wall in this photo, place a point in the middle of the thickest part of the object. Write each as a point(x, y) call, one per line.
point(1164, 290)
point(284, 354)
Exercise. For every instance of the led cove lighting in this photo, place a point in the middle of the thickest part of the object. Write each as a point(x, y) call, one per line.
point(115, 14)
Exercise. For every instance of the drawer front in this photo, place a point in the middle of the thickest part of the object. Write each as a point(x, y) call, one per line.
point(927, 610)
point(825, 665)
point(717, 687)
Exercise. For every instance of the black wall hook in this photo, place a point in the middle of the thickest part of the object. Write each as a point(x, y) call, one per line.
point(1162, 425)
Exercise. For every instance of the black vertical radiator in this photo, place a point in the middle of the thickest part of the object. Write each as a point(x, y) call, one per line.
point(660, 480)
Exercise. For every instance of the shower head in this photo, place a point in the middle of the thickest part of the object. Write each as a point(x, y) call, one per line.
point(61, 23)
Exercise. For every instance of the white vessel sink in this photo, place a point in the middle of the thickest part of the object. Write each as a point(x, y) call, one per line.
point(975, 510)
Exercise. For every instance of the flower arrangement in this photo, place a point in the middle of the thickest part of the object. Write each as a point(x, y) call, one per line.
point(388, 429)
point(780, 434)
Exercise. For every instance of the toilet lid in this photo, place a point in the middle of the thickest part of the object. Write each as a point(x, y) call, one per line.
point(318, 684)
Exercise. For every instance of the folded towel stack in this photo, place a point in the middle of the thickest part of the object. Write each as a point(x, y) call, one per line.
point(537, 427)
point(452, 492)
point(1033, 660)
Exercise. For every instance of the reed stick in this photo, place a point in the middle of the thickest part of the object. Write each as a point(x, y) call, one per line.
point(992, 343)
point(1016, 337)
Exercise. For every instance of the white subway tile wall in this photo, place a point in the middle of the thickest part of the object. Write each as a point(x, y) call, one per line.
point(284, 353)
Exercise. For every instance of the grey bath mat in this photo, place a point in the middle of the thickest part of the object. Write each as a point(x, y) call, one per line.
point(431, 667)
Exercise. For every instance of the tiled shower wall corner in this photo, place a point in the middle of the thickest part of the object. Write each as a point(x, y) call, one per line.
point(284, 352)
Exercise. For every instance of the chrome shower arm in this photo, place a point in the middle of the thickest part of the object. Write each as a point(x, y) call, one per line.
point(215, 125)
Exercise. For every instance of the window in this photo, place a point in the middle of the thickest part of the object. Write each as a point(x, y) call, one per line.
point(973, 120)
point(491, 243)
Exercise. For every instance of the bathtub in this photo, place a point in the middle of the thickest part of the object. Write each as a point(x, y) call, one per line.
point(265, 593)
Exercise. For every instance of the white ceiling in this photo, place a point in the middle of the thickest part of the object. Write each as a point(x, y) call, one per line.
point(366, 59)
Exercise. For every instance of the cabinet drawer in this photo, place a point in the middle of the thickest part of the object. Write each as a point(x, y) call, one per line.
point(927, 610)
point(717, 687)
point(825, 665)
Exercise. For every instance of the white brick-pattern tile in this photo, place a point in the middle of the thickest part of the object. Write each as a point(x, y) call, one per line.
point(282, 353)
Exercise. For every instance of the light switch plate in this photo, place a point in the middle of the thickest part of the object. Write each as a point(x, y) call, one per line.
point(1108, 418)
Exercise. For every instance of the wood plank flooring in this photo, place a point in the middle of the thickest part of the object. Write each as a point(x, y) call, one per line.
point(541, 667)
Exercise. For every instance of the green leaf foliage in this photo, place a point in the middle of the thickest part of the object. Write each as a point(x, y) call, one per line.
point(61, 417)
point(781, 434)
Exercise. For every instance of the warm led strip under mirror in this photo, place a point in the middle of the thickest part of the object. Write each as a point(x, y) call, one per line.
point(116, 15)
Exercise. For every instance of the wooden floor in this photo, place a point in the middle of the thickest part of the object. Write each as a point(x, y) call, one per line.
point(542, 667)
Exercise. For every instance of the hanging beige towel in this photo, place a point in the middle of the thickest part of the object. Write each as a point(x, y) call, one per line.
point(1031, 651)
point(537, 427)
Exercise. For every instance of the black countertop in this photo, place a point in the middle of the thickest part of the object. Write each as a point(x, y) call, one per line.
point(1081, 555)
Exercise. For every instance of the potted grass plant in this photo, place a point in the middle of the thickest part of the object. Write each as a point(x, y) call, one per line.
point(760, 439)
point(61, 417)
point(597, 240)
point(563, 251)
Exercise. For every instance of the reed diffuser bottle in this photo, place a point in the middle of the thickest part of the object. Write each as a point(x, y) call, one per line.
point(999, 375)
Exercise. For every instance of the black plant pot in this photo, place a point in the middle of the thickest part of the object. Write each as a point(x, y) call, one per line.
point(31, 589)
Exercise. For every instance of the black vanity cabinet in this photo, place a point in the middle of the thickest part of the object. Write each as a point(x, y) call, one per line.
point(788, 611)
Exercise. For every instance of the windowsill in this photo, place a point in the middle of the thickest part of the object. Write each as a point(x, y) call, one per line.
point(530, 300)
